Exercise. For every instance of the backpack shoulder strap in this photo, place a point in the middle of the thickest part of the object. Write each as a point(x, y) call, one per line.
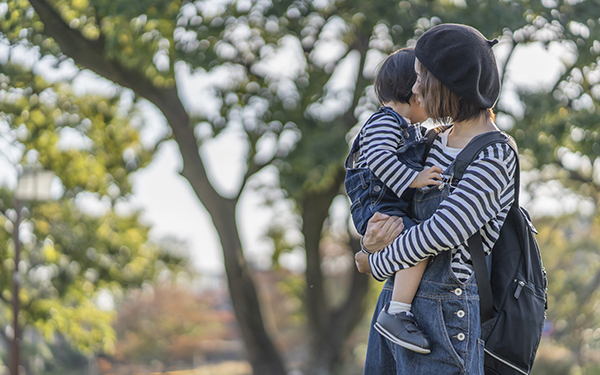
point(430, 138)
point(475, 146)
point(475, 242)
point(478, 144)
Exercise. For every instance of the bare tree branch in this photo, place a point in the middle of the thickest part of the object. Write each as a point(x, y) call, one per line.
point(253, 168)
point(360, 44)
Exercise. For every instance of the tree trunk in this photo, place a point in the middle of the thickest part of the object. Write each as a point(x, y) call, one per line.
point(343, 321)
point(314, 212)
point(262, 353)
point(329, 329)
point(327, 356)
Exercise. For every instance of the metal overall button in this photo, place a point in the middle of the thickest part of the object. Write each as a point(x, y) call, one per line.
point(460, 336)
point(458, 291)
point(460, 313)
point(377, 188)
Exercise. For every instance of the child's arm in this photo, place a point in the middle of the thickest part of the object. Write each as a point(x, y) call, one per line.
point(380, 142)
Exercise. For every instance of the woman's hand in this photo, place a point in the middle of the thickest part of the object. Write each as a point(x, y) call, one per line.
point(382, 229)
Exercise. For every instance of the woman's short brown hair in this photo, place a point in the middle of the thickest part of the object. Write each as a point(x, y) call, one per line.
point(442, 105)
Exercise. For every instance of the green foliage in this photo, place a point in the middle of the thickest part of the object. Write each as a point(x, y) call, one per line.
point(21, 22)
point(567, 115)
point(71, 256)
point(108, 147)
point(570, 248)
point(133, 32)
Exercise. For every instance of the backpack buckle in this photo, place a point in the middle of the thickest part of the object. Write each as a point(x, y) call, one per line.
point(447, 179)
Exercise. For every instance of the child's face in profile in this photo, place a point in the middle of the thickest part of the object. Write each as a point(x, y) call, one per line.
point(417, 113)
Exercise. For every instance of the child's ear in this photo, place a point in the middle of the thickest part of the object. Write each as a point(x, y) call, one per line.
point(413, 100)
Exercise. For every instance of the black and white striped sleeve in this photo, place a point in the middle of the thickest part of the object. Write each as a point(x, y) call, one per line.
point(484, 194)
point(380, 141)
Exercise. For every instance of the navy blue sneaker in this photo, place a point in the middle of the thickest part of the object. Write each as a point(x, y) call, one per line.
point(402, 329)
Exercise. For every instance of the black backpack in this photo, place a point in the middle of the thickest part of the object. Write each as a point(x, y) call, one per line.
point(513, 301)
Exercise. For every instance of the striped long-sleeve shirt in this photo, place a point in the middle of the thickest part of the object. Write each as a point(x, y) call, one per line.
point(480, 201)
point(379, 141)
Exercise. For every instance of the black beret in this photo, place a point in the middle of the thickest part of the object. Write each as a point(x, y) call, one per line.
point(462, 59)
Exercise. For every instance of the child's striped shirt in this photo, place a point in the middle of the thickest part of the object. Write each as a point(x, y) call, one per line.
point(378, 145)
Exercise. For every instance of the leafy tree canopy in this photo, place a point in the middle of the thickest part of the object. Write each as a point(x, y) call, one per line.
point(70, 254)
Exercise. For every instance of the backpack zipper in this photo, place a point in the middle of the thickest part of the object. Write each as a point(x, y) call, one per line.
point(505, 361)
point(520, 285)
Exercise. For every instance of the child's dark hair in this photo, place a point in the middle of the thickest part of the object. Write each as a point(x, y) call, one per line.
point(396, 77)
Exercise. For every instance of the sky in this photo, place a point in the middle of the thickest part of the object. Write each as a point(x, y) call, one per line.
point(169, 204)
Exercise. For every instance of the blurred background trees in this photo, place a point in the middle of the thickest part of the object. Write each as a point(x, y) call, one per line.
point(81, 250)
point(292, 80)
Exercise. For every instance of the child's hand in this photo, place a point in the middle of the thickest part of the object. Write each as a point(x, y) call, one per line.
point(362, 262)
point(428, 176)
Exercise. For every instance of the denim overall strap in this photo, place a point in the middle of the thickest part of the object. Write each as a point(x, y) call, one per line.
point(427, 199)
point(353, 155)
point(411, 134)
point(399, 119)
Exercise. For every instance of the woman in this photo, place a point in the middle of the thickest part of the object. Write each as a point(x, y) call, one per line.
point(457, 80)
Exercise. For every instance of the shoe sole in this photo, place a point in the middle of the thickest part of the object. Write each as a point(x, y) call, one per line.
point(397, 341)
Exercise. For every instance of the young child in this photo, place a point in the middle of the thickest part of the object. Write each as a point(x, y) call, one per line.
point(385, 162)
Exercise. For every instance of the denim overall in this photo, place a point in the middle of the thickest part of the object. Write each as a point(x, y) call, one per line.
point(368, 193)
point(446, 309)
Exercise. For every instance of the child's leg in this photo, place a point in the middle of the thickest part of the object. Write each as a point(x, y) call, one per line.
point(395, 321)
point(407, 282)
